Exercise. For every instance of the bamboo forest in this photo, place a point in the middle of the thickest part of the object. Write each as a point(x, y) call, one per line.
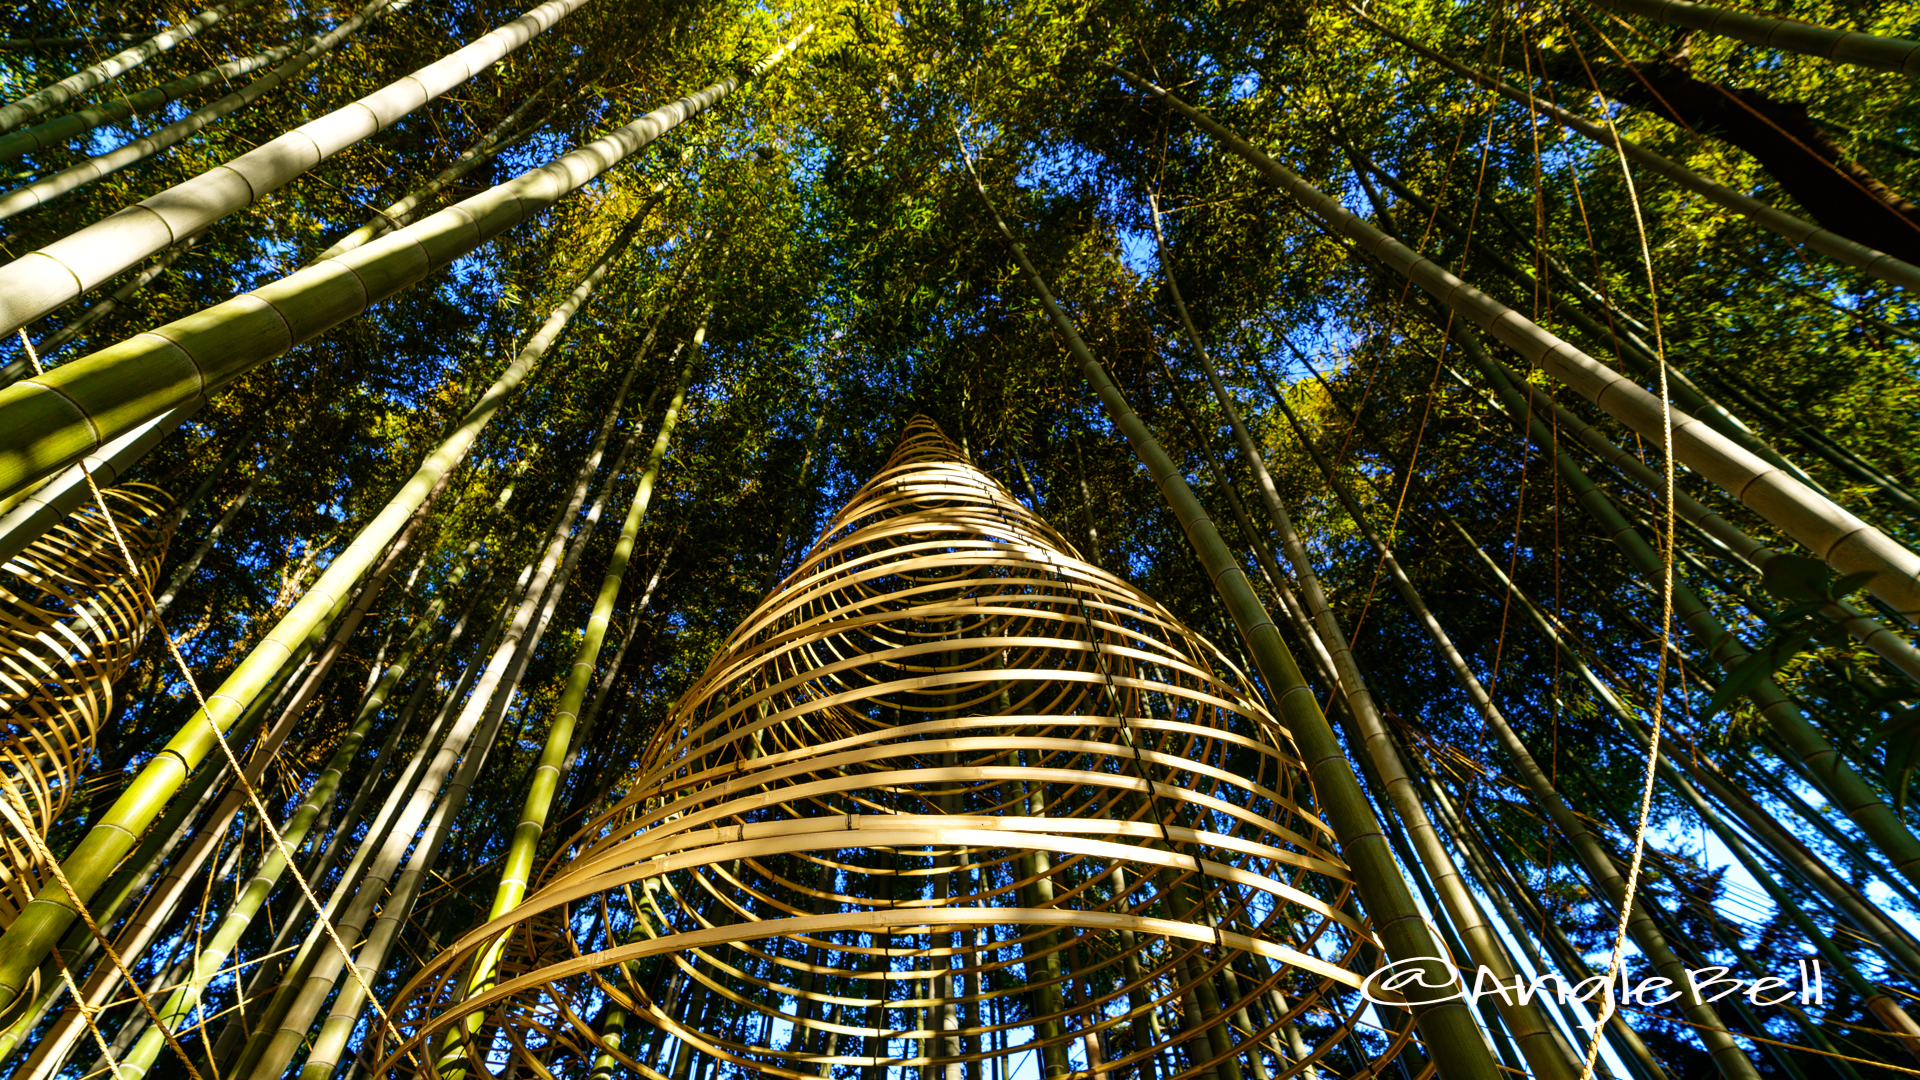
point(959, 539)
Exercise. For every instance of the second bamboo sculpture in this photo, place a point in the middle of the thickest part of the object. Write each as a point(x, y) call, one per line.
point(954, 803)
point(72, 612)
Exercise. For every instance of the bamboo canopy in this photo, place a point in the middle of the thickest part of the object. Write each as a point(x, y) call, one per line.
point(1079, 829)
point(72, 613)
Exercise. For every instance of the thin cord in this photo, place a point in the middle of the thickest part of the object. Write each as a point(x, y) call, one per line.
point(1666, 582)
point(20, 808)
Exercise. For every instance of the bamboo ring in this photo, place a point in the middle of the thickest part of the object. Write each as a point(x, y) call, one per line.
point(71, 616)
point(951, 800)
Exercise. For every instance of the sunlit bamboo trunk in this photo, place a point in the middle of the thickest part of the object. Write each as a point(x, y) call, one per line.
point(39, 192)
point(27, 942)
point(1547, 1050)
point(1840, 46)
point(1828, 531)
point(91, 255)
point(543, 785)
point(152, 99)
point(51, 420)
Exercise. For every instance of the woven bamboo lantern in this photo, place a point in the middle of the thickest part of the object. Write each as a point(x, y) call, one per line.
point(71, 615)
point(952, 802)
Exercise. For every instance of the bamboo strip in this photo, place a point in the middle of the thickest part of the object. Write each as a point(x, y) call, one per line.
point(944, 719)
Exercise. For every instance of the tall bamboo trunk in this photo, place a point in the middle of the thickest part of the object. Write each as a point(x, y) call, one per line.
point(37, 103)
point(1798, 232)
point(27, 941)
point(1840, 46)
point(151, 100)
point(102, 250)
point(484, 149)
point(196, 356)
point(544, 783)
point(38, 193)
point(1452, 1037)
point(1831, 533)
point(475, 728)
point(1546, 1049)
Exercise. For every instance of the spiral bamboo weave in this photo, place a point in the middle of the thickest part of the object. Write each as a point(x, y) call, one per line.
point(953, 803)
point(71, 616)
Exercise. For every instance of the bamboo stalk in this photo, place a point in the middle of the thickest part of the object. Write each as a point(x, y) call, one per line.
point(1543, 1044)
point(483, 150)
point(16, 369)
point(51, 420)
point(38, 193)
point(1801, 233)
point(23, 109)
point(1843, 540)
point(1452, 1036)
point(1840, 46)
point(27, 941)
point(152, 99)
point(84, 259)
point(49, 504)
point(1828, 768)
point(272, 1051)
point(517, 868)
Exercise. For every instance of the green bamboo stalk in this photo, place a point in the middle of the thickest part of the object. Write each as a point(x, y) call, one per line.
point(80, 947)
point(1840, 46)
point(1599, 865)
point(1540, 1040)
point(159, 906)
point(26, 943)
point(226, 936)
point(1801, 233)
point(51, 503)
point(1772, 835)
point(152, 99)
point(1827, 767)
point(1830, 532)
point(275, 1045)
point(39, 192)
point(1474, 851)
point(17, 112)
point(18, 368)
point(282, 975)
point(549, 770)
point(1453, 1038)
point(68, 41)
point(1622, 332)
point(51, 420)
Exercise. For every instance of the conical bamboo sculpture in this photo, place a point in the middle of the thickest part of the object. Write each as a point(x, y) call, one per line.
point(71, 616)
point(951, 798)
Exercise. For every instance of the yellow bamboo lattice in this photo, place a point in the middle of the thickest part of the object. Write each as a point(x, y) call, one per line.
point(71, 617)
point(950, 795)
